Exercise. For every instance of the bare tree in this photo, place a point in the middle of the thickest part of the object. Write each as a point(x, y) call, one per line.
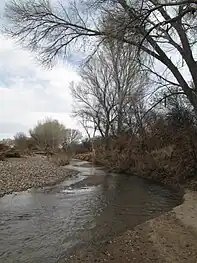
point(90, 129)
point(109, 80)
point(47, 29)
point(73, 136)
point(128, 81)
point(71, 139)
point(164, 30)
point(94, 95)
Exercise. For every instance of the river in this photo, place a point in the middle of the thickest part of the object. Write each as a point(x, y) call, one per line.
point(49, 224)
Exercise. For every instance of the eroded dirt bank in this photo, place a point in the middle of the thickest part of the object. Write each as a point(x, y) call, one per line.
point(171, 238)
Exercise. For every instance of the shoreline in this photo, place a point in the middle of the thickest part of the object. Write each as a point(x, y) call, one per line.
point(171, 237)
point(154, 176)
point(21, 174)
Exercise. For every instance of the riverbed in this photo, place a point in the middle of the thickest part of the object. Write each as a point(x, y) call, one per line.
point(50, 224)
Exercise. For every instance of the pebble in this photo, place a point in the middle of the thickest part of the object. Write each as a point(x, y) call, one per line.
point(24, 173)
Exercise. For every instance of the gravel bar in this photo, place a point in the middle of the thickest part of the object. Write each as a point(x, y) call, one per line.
point(23, 173)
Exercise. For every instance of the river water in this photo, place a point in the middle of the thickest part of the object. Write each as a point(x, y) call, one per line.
point(49, 224)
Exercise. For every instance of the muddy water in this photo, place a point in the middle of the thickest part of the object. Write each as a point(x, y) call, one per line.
point(47, 225)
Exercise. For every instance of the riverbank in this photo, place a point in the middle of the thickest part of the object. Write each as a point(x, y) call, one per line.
point(161, 166)
point(171, 237)
point(20, 174)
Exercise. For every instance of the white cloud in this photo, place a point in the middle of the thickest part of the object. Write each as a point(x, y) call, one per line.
point(29, 92)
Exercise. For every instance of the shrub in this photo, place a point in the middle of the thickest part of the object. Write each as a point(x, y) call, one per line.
point(60, 159)
point(8, 152)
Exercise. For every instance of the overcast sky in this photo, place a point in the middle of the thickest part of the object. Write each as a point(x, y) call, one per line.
point(29, 93)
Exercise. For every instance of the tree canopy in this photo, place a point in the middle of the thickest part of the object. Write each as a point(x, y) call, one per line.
point(162, 31)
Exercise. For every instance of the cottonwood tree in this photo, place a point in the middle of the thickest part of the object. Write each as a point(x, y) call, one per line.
point(134, 111)
point(110, 80)
point(49, 134)
point(90, 127)
point(95, 96)
point(72, 136)
point(163, 29)
point(128, 83)
point(71, 139)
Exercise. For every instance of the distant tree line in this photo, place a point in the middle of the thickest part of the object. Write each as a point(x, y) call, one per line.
point(48, 135)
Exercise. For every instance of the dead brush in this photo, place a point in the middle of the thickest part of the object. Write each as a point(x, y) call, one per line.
point(163, 154)
point(61, 159)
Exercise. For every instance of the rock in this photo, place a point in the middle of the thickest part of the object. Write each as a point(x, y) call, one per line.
point(24, 173)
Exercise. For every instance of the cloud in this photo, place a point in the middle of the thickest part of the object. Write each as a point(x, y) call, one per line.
point(29, 92)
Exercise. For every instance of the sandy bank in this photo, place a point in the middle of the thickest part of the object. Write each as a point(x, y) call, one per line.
point(170, 238)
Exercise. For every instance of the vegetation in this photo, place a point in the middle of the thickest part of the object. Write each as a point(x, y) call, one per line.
point(7, 152)
point(105, 96)
point(137, 99)
point(49, 134)
point(154, 27)
point(48, 137)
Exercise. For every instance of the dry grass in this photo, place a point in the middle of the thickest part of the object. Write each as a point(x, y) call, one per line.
point(87, 156)
point(174, 162)
point(166, 151)
point(163, 153)
point(8, 152)
point(61, 159)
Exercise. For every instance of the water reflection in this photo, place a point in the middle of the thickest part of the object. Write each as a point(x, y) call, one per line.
point(43, 225)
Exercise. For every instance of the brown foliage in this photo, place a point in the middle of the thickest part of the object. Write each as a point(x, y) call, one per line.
point(166, 154)
point(60, 158)
point(86, 156)
point(8, 152)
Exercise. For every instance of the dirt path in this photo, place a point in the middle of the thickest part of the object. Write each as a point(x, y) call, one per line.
point(170, 238)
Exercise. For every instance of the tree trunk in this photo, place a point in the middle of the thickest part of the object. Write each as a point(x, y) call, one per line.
point(192, 97)
point(119, 128)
